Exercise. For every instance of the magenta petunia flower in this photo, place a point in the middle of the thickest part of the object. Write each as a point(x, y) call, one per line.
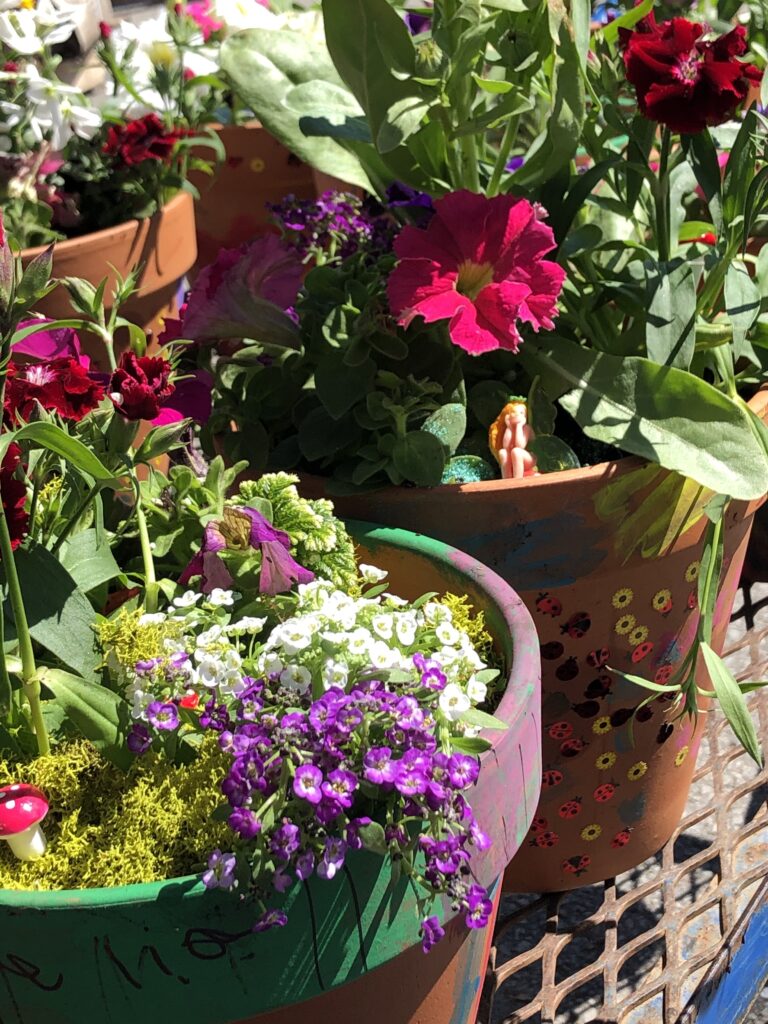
point(478, 264)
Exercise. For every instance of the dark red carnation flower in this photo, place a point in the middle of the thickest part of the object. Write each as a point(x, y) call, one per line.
point(59, 385)
point(139, 385)
point(682, 80)
point(146, 138)
point(14, 496)
point(105, 30)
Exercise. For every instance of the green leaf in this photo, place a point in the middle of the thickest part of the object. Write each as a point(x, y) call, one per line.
point(88, 562)
point(321, 435)
point(733, 703)
point(610, 32)
point(661, 413)
point(739, 174)
point(742, 304)
point(326, 109)
point(374, 838)
point(403, 119)
point(552, 454)
point(646, 683)
point(670, 329)
point(448, 424)
point(340, 386)
point(467, 469)
point(482, 720)
point(59, 441)
point(470, 744)
point(495, 86)
point(702, 156)
point(420, 457)
point(35, 280)
point(264, 67)
point(60, 616)
point(98, 713)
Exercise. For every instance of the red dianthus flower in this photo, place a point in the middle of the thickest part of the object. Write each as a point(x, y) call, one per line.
point(14, 496)
point(60, 385)
point(146, 138)
point(682, 80)
point(139, 385)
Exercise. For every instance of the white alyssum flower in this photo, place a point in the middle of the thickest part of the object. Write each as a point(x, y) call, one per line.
point(152, 618)
point(186, 600)
point(405, 628)
point(210, 636)
point(221, 598)
point(209, 672)
point(335, 673)
point(359, 642)
point(270, 664)
point(371, 573)
point(435, 612)
point(453, 702)
point(383, 626)
point(296, 677)
point(248, 624)
point(58, 111)
point(476, 690)
point(446, 633)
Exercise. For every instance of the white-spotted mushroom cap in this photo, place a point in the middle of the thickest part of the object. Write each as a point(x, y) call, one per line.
point(21, 807)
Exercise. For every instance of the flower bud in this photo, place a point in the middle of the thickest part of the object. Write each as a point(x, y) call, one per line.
point(105, 31)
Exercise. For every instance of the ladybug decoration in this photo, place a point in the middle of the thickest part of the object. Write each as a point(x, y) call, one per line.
point(572, 747)
point(551, 777)
point(577, 625)
point(552, 651)
point(664, 733)
point(600, 687)
point(621, 838)
point(545, 840)
point(641, 651)
point(571, 808)
point(663, 674)
point(587, 709)
point(576, 865)
point(644, 714)
point(538, 825)
point(605, 792)
point(548, 605)
point(621, 716)
point(569, 669)
point(598, 657)
point(560, 730)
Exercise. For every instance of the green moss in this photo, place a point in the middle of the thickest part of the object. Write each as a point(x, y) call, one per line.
point(107, 827)
point(131, 642)
point(473, 623)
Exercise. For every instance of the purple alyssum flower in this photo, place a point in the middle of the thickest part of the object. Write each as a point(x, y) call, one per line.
point(307, 783)
point(431, 932)
point(270, 919)
point(333, 858)
point(164, 717)
point(305, 865)
point(379, 766)
point(139, 739)
point(285, 840)
point(221, 871)
point(479, 907)
point(462, 770)
point(244, 822)
point(340, 786)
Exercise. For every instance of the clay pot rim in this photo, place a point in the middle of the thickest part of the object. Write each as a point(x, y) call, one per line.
point(103, 235)
point(523, 665)
point(562, 479)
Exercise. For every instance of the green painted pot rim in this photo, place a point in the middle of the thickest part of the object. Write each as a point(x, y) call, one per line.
point(515, 636)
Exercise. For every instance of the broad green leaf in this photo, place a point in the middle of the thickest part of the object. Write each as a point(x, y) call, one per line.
point(661, 413)
point(420, 457)
point(739, 173)
point(483, 720)
point(326, 109)
point(742, 304)
point(495, 86)
point(88, 562)
point(264, 67)
point(59, 441)
point(98, 713)
point(340, 386)
point(670, 329)
point(448, 424)
point(470, 744)
point(731, 698)
point(552, 454)
point(60, 616)
point(645, 683)
point(702, 156)
point(467, 469)
point(373, 838)
point(36, 278)
point(402, 120)
point(321, 435)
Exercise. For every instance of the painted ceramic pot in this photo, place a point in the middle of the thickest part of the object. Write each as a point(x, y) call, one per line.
point(171, 950)
point(606, 559)
point(257, 170)
point(163, 244)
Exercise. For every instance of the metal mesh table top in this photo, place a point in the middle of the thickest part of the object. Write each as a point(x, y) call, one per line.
point(635, 949)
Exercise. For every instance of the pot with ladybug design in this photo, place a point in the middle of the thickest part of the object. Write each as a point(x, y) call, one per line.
point(606, 559)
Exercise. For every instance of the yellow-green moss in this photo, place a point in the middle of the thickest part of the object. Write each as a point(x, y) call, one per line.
point(108, 828)
point(132, 641)
point(472, 623)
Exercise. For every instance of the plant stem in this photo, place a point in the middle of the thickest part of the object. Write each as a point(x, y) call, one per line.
point(663, 227)
point(28, 668)
point(150, 580)
point(6, 689)
point(506, 144)
point(74, 519)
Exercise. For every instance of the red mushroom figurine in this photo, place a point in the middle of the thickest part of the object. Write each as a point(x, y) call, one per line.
point(22, 808)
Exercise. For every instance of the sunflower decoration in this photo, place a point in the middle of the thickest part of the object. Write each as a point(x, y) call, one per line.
point(591, 832)
point(602, 725)
point(622, 598)
point(662, 601)
point(605, 761)
point(692, 572)
point(625, 624)
point(637, 771)
point(638, 635)
point(680, 756)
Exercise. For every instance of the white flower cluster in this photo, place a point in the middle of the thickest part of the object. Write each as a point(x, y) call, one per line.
point(25, 28)
point(52, 112)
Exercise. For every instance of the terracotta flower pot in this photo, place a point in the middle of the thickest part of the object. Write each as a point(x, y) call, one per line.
point(606, 560)
point(172, 951)
point(163, 244)
point(257, 170)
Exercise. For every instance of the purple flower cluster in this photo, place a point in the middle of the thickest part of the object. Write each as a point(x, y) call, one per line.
point(337, 224)
point(299, 777)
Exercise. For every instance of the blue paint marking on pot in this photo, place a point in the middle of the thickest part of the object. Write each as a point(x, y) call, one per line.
point(532, 555)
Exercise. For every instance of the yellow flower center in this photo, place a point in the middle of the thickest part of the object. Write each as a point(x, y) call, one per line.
point(473, 277)
point(162, 54)
point(235, 528)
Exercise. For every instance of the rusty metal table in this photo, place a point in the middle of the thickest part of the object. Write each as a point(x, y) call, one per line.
point(683, 938)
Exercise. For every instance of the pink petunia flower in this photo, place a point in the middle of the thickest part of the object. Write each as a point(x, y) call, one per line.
point(478, 264)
